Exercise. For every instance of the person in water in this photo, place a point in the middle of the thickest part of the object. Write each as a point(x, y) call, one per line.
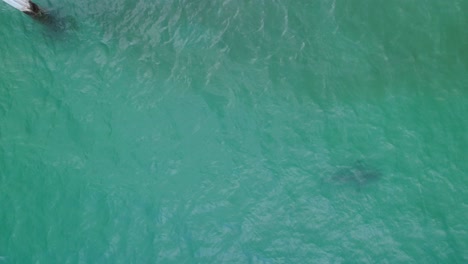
point(26, 6)
point(35, 10)
point(44, 17)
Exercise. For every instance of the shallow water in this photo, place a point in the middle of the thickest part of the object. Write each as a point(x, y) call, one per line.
point(210, 132)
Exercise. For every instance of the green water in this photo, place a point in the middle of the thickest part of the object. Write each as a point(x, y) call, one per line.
point(184, 131)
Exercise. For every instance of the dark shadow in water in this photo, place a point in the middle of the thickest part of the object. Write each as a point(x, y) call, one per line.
point(359, 174)
point(56, 25)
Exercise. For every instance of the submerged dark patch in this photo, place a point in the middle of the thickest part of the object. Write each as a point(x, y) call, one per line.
point(360, 173)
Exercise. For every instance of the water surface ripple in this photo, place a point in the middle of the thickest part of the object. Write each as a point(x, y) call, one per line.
point(234, 132)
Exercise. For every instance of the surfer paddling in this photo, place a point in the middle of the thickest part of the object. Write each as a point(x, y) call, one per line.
point(26, 6)
point(44, 17)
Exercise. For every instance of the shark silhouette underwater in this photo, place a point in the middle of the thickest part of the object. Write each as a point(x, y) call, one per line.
point(358, 174)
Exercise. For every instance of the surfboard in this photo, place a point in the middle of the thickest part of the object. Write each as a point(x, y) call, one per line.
point(25, 6)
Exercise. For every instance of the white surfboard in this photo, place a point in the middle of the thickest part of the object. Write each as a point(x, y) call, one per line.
point(21, 5)
point(26, 6)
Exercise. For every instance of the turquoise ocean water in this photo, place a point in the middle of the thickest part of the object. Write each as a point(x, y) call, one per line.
point(247, 131)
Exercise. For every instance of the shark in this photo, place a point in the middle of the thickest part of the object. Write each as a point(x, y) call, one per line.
point(358, 174)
